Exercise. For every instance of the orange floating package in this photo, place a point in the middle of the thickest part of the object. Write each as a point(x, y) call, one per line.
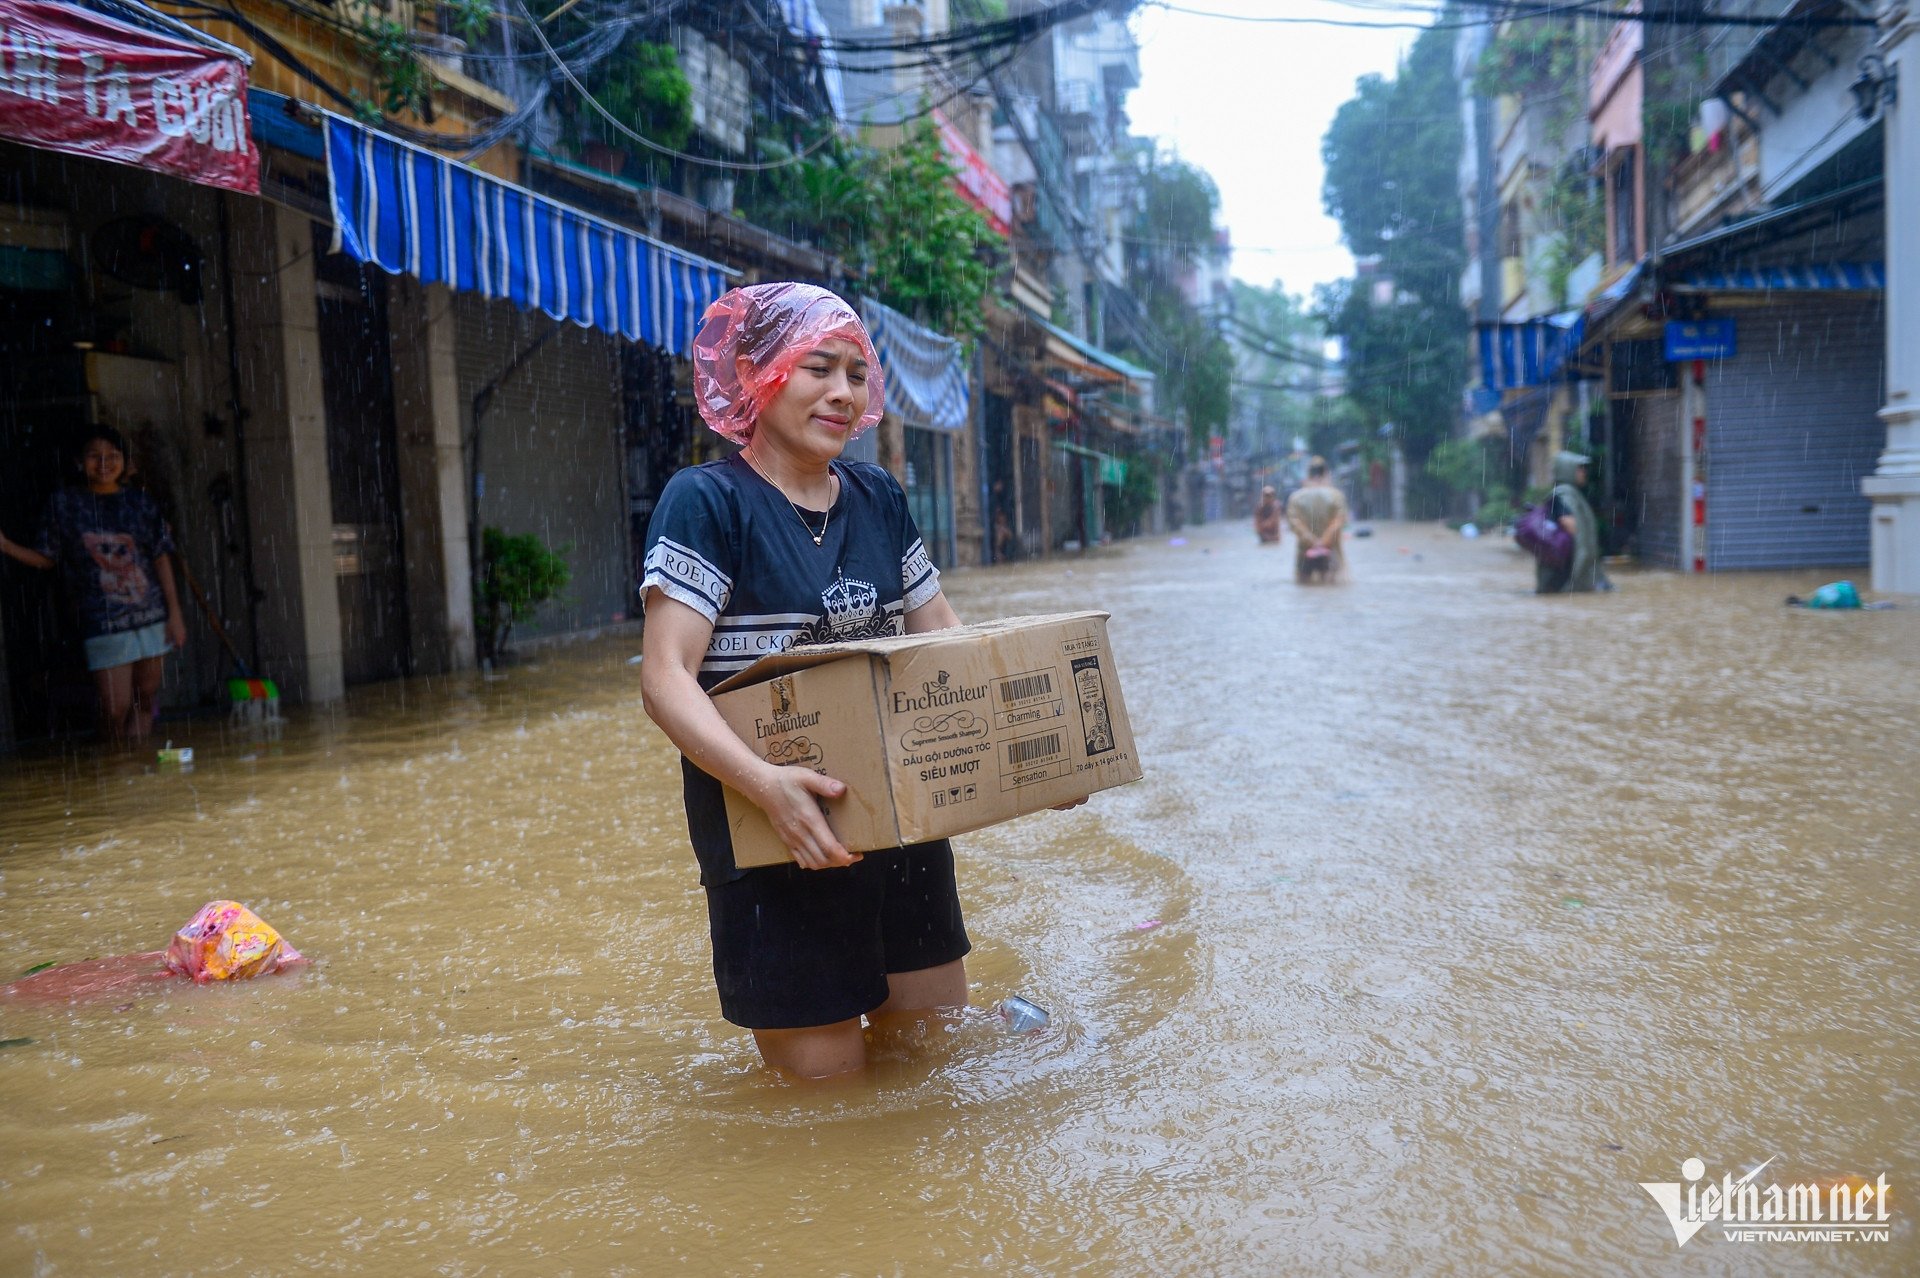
point(226, 941)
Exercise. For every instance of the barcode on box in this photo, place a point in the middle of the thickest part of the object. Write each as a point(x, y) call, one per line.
point(1022, 753)
point(1026, 687)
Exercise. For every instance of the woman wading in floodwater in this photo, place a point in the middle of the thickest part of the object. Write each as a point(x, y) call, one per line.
point(785, 544)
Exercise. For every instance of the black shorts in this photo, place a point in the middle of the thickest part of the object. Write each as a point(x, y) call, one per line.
point(794, 948)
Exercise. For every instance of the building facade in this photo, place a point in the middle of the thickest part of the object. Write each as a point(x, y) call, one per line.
point(474, 312)
point(1726, 352)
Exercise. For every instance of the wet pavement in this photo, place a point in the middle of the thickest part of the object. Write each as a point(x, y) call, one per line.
point(1444, 915)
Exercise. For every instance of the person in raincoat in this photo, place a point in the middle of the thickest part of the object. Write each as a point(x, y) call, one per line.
point(1568, 507)
point(778, 545)
point(1318, 515)
point(1266, 516)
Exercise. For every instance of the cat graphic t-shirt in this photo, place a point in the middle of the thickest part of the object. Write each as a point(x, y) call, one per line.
point(105, 545)
point(726, 543)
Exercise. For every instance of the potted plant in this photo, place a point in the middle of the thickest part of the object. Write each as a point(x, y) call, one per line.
point(641, 85)
point(517, 575)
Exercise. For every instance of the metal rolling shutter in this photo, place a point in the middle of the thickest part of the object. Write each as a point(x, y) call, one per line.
point(553, 458)
point(1792, 428)
point(1656, 477)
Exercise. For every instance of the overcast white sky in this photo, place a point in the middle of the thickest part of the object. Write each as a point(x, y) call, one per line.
point(1249, 103)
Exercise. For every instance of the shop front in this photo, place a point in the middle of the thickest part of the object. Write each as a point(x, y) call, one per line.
point(330, 391)
point(121, 138)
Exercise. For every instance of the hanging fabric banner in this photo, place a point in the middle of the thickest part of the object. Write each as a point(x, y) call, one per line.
point(411, 212)
point(926, 373)
point(1531, 353)
point(76, 81)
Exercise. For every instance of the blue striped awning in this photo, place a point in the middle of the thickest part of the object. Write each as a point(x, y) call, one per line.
point(1832, 277)
point(1530, 353)
point(411, 212)
point(925, 373)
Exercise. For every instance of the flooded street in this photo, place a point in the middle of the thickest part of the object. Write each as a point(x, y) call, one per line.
point(1444, 916)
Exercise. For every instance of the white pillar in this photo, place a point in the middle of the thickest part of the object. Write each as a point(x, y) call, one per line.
point(1397, 475)
point(433, 475)
point(290, 489)
point(1894, 487)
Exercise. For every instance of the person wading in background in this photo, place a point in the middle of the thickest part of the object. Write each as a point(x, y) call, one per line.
point(1266, 517)
point(1318, 514)
point(1568, 507)
point(115, 556)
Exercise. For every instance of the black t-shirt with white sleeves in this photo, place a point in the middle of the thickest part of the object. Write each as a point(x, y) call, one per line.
point(727, 543)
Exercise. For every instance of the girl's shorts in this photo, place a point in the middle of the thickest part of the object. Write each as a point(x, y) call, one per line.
point(794, 948)
point(104, 652)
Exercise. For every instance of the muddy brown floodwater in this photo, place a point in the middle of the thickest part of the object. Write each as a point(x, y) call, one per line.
point(1473, 910)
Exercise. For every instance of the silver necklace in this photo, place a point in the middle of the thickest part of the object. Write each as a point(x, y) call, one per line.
point(825, 519)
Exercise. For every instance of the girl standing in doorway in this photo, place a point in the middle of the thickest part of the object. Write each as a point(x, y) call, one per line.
point(114, 552)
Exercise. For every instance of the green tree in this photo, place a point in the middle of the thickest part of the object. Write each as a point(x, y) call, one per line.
point(1392, 171)
point(893, 215)
point(824, 199)
point(402, 79)
point(1392, 155)
point(1404, 363)
point(1277, 343)
point(1174, 234)
point(931, 253)
point(641, 85)
point(1126, 504)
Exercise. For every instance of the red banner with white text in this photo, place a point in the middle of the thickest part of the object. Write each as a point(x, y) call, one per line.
point(974, 178)
point(77, 81)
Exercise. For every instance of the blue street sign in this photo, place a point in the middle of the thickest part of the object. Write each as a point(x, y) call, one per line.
point(1700, 339)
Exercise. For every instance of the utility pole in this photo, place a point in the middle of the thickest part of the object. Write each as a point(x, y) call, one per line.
point(1894, 487)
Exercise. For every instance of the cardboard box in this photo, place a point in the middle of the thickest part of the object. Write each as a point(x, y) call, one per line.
point(935, 734)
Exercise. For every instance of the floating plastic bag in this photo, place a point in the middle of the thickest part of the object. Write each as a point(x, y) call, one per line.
point(226, 941)
point(1022, 1016)
point(774, 326)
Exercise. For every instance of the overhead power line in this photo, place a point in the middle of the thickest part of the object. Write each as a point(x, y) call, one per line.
point(1264, 343)
point(566, 72)
point(1502, 12)
point(634, 135)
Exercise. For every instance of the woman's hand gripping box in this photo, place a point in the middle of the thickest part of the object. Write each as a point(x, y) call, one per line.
point(935, 734)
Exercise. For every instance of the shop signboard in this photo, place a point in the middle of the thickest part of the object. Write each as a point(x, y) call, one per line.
point(80, 82)
point(974, 178)
point(1699, 339)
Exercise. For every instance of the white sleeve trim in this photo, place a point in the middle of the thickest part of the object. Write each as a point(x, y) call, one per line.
point(679, 593)
point(684, 574)
point(919, 579)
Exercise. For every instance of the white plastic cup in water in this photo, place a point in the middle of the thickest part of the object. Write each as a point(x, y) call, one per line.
point(1023, 1016)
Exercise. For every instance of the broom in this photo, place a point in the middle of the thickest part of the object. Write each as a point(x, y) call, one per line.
point(251, 696)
